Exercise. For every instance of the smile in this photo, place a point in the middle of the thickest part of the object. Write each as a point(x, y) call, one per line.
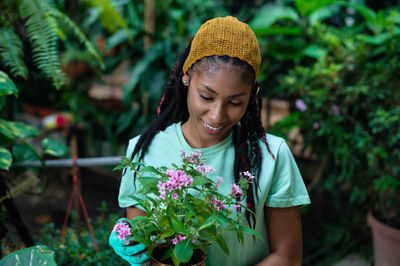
point(210, 129)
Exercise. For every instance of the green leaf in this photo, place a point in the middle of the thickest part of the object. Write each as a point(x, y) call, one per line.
point(118, 167)
point(111, 19)
point(149, 168)
point(78, 32)
point(166, 254)
point(221, 242)
point(271, 14)
point(250, 231)
point(37, 255)
point(53, 147)
point(201, 180)
point(315, 51)
point(306, 7)
point(174, 259)
point(220, 218)
point(7, 86)
point(21, 130)
point(278, 30)
point(178, 226)
point(183, 251)
point(322, 14)
point(23, 152)
point(207, 223)
point(149, 182)
point(5, 158)
point(167, 233)
point(5, 130)
point(12, 52)
point(40, 29)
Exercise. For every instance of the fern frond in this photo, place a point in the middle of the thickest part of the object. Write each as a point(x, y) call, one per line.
point(75, 28)
point(109, 16)
point(12, 52)
point(41, 31)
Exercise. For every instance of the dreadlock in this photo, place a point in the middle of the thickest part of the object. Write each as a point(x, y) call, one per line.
point(173, 108)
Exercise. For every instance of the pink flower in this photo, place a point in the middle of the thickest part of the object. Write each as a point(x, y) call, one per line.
point(248, 176)
point(178, 239)
point(301, 105)
point(316, 125)
point(236, 191)
point(123, 230)
point(218, 205)
point(174, 196)
point(178, 178)
point(204, 170)
point(219, 181)
point(237, 206)
point(335, 109)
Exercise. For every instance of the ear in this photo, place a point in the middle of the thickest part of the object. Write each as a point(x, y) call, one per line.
point(185, 80)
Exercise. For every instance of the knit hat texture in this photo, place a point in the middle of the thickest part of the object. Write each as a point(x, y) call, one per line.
point(225, 36)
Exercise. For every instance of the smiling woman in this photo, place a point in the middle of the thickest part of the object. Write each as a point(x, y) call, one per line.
point(211, 104)
point(217, 100)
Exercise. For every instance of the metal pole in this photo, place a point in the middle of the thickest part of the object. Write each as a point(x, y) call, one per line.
point(81, 162)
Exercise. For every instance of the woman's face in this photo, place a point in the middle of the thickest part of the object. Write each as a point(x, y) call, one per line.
point(216, 101)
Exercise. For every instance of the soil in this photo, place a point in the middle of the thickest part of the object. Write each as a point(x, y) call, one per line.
point(198, 256)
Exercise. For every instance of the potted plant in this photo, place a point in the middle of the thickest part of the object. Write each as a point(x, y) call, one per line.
point(185, 212)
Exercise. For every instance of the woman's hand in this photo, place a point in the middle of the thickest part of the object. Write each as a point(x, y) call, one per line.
point(134, 254)
point(284, 236)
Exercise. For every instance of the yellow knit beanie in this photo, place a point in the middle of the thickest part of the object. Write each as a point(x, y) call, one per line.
point(225, 36)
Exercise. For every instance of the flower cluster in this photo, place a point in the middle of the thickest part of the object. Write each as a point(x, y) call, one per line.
point(178, 239)
point(123, 230)
point(177, 180)
point(248, 176)
point(218, 205)
point(194, 157)
point(204, 169)
point(236, 191)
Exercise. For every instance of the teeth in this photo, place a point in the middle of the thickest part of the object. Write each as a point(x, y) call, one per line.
point(213, 128)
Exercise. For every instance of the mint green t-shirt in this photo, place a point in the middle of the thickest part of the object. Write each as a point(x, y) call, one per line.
point(280, 183)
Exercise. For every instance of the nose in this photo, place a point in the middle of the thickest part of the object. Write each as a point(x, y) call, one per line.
point(217, 114)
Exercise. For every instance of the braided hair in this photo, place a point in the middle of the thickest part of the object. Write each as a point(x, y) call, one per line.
point(173, 108)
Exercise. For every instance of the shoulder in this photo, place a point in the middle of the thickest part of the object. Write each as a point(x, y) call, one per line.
point(274, 143)
point(161, 137)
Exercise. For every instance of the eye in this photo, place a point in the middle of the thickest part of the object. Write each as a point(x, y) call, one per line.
point(205, 98)
point(235, 103)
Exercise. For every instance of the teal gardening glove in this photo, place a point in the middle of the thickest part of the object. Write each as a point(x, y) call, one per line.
point(134, 254)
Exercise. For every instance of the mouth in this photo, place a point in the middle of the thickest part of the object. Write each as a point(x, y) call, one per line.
point(211, 129)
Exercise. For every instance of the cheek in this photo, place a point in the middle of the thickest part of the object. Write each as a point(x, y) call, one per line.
point(237, 115)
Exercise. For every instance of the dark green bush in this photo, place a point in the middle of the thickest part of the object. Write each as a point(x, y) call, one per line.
point(347, 106)
point(77, 248)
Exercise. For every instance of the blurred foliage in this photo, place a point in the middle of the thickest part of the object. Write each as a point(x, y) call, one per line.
point(77, 248)
point(15, 134)
point(346, 103)
point(339, 58)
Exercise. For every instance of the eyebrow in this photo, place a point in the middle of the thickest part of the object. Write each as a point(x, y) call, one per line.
point(214, 92)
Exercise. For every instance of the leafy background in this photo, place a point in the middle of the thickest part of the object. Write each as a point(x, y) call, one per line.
point(339, 58)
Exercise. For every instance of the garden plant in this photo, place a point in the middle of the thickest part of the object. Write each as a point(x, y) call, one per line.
point(185, 212)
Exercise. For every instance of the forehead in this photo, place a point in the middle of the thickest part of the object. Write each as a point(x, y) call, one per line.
point(223, 78)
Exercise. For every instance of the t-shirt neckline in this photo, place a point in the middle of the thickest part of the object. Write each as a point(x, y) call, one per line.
point(215, 148)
